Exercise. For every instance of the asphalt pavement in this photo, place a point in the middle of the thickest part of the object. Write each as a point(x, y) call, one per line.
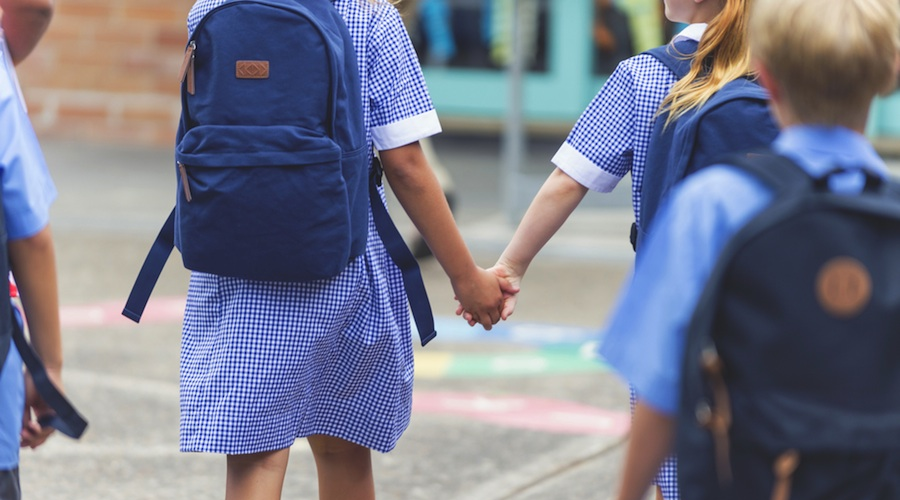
point(521, 412)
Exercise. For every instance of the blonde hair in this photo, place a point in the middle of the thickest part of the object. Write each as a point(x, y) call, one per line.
point(722, 55)
point(830, 57)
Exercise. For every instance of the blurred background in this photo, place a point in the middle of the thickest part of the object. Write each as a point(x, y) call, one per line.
point(107, 70)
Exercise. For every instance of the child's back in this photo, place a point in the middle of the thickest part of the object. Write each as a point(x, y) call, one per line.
point(822, 62)
point(266, 362)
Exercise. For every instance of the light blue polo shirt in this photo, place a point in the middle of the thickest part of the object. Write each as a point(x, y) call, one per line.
point(28, 192)
point(645, 337)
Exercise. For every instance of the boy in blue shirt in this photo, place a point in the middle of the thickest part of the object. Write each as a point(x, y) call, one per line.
point(27, 194)
point(822, 63)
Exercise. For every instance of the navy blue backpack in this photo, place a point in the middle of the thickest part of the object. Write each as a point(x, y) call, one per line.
point(734, 119)
point(791, 375)
point(274, 182)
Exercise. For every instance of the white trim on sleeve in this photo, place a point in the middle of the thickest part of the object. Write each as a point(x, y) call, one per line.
point(579, 167)
point(407, 131)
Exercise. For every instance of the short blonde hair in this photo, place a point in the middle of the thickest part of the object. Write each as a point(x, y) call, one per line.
point(829, 57)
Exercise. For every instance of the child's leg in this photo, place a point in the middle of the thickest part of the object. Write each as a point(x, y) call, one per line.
point(257, 476)
point(344, 468)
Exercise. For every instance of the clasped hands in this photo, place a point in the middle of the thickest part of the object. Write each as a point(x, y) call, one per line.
point(488, 298)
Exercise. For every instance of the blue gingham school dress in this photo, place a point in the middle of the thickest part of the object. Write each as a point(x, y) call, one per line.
point(263, 363)
point(610, 139)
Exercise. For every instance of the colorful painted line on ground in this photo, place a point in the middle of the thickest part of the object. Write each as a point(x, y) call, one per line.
point(556, 349)
point(454, 329)
point(431, 364)
point(547, 415)
point(450, 329)
point(159, 310)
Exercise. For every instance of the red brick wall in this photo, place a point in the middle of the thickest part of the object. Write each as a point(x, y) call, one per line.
point(107, 70)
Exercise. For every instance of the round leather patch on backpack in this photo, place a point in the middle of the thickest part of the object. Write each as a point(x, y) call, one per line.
point(843, 287)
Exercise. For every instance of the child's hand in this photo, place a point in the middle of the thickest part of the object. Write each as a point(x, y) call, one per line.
point(509, 283)
point(505, 274)
point(482, 297)
point(34, 434)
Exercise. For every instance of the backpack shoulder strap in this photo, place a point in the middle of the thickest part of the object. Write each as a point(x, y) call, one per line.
point(741, 100)
point(676, 56)
point(777, 172)
point(66, 418)
point(402, 257)
point(150, 270)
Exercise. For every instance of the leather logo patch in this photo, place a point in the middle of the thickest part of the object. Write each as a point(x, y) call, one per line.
point(254, 70)
point(843, 287)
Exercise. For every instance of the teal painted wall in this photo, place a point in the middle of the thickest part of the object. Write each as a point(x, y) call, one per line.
point(559, 95)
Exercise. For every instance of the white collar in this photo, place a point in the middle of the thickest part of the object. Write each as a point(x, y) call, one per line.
point(692, 32)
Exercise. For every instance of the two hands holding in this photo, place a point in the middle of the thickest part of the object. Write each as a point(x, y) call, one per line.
point(490, 297)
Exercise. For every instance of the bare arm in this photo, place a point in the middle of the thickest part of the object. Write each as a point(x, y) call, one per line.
point(33, 263)
point(420, 194)
point(554, 203)
point(24, 23)
point(650, 443)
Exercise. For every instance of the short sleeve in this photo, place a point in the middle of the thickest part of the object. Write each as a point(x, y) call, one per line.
point(401, 108)
point(599, 150)
point(28, 190)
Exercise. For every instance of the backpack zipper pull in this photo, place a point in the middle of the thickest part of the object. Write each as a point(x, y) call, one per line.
point(187, 67)
point(184, 182)
point(718, 419)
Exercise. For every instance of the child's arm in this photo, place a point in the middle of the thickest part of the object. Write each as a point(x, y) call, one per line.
point(650, 443)
point(24, 23)
point(553, 204)
point(420, 194)
point(33, 264)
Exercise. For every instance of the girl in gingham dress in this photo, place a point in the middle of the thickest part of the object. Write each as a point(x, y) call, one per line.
point(612, 136)
point(263, 363)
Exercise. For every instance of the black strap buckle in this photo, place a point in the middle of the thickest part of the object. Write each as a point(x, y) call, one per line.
point(377, 171)
point(633, 237)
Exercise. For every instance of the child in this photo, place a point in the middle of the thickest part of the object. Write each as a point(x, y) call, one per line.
point(264, 363)
point(822, 63)
point(612, 136)
point(27, 194)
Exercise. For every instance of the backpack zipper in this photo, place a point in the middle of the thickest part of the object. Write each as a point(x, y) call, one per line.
point(187, 67)
point(717, 419)
point(184, 181)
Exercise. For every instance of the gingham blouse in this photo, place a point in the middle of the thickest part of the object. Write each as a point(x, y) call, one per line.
point(612, 136)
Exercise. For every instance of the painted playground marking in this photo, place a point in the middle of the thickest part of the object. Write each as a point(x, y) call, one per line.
point(159, 310)
point(547, 415)
point(554, 349)
point(550, 349)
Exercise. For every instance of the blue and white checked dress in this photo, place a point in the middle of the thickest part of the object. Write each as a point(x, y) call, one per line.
point(611, 139)
point(612, 136)
point(265, 363)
